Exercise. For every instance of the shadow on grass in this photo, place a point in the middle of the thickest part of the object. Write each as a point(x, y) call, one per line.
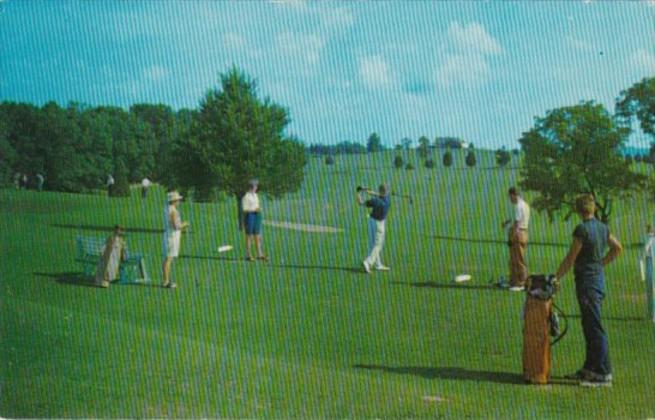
point(455, 373)
point(436, 285)
point(289, 266)
point(79, 279)
point(95, 228)
point(320, 267)
point(217, 258)
point(70, 278)
point(493, 241)
point(614, 318)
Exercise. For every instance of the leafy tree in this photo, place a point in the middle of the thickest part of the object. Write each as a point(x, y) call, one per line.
point(409, 166)
point(575, 150)
point(638, 101)
point(423, 147)
point(238, 136)
point(429, 163)
point(406, 143)
point(398, 147)
point(447, 159)
point(374, 144)
point(121, 186)
point(638, 158)
point(329, 160)
point(629, 159)
point(7, 152)
point(398, 162)
point(503, 157)
point(470, 159)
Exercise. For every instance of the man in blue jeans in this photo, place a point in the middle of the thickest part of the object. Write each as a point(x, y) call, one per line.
point(590, 239)
point(379, 203)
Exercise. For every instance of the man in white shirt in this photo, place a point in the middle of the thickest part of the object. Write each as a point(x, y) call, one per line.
point(145, 184)
point(518, 241)
point(253, 221)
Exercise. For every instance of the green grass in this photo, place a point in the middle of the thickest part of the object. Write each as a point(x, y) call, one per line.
point(307, 335)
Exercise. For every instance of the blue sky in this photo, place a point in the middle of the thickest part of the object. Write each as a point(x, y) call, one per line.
point(477, 70)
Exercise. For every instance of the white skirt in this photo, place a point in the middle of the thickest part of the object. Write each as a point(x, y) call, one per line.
point(172, 244)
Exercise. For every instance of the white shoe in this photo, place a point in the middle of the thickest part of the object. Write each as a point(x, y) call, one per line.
point(382, 268)
point(516, 289)
point(367, 267)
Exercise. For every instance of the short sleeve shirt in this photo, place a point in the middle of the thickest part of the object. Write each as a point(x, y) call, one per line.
point(250, 202)
point(522, 214)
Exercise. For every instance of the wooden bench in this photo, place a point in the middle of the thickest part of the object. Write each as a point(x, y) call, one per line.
point(89, 251)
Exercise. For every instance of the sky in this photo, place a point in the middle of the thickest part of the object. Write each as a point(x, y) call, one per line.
point(481, 71)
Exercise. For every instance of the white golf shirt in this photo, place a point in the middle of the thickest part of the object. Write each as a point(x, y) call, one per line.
point(250, 202)
point(522, 214)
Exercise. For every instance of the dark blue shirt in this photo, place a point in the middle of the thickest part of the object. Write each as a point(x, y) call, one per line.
point(588, 270)
point(380, 207)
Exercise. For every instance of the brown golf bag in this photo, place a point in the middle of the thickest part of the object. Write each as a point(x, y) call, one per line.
point(536, 340)
point(538, 327)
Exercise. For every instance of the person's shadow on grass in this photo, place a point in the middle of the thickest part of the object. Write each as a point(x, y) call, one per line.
point(71, 278)
point(455, 373)
point(435, 285)
point(273, 264)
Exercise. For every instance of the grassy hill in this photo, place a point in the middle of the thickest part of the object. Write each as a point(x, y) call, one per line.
point(308, 334)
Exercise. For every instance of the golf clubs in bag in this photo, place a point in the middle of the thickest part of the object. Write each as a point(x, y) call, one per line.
point(540, 322)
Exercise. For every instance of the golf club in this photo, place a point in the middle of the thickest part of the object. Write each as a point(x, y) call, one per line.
point(370, 191)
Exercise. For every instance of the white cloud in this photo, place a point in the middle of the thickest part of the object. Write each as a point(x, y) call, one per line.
point(233, 40)
point(374, 72)
point(473, 38)
point(469, 63)
point(643, 60)
point(338, 18)
point(471, 69)
point(579, 44)
point(303, 47)
point(155, 73)
point(651, 3)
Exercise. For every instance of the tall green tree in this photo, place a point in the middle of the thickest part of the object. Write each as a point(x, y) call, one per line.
point(638, 101)
point(423, 147)
point(503, 157)
point(238, 136)
point(575, 150)
point(374, 144)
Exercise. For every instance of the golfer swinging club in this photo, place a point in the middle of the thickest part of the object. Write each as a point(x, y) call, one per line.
point(380, 203)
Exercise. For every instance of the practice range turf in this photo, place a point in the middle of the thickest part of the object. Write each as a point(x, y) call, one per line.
point(308, 334)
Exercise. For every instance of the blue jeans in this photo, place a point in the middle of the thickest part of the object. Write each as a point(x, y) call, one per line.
point(597, 352)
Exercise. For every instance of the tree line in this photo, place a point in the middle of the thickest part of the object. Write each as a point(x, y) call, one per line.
point(78, 146)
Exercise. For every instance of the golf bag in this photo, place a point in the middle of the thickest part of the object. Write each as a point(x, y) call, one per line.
point(540, 322)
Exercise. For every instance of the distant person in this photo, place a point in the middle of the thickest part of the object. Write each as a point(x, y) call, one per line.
point(252, 220)
point(39, 181)
point(145, 184)
point(517, 241)
point(379, 204)
point(113, 254)
point(173, 226)
point(110, 184)
point(590, 240)
point(24, 181)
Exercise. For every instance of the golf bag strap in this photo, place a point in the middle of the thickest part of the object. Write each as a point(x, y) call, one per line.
point(566, 324)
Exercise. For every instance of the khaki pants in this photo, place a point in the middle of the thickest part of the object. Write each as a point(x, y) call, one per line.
point(517, 268)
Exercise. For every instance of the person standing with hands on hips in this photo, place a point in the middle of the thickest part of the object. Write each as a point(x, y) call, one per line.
point(590, 240)
point(518, 241)
point(253, 221)
point(379, 203)
point(173, 226)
